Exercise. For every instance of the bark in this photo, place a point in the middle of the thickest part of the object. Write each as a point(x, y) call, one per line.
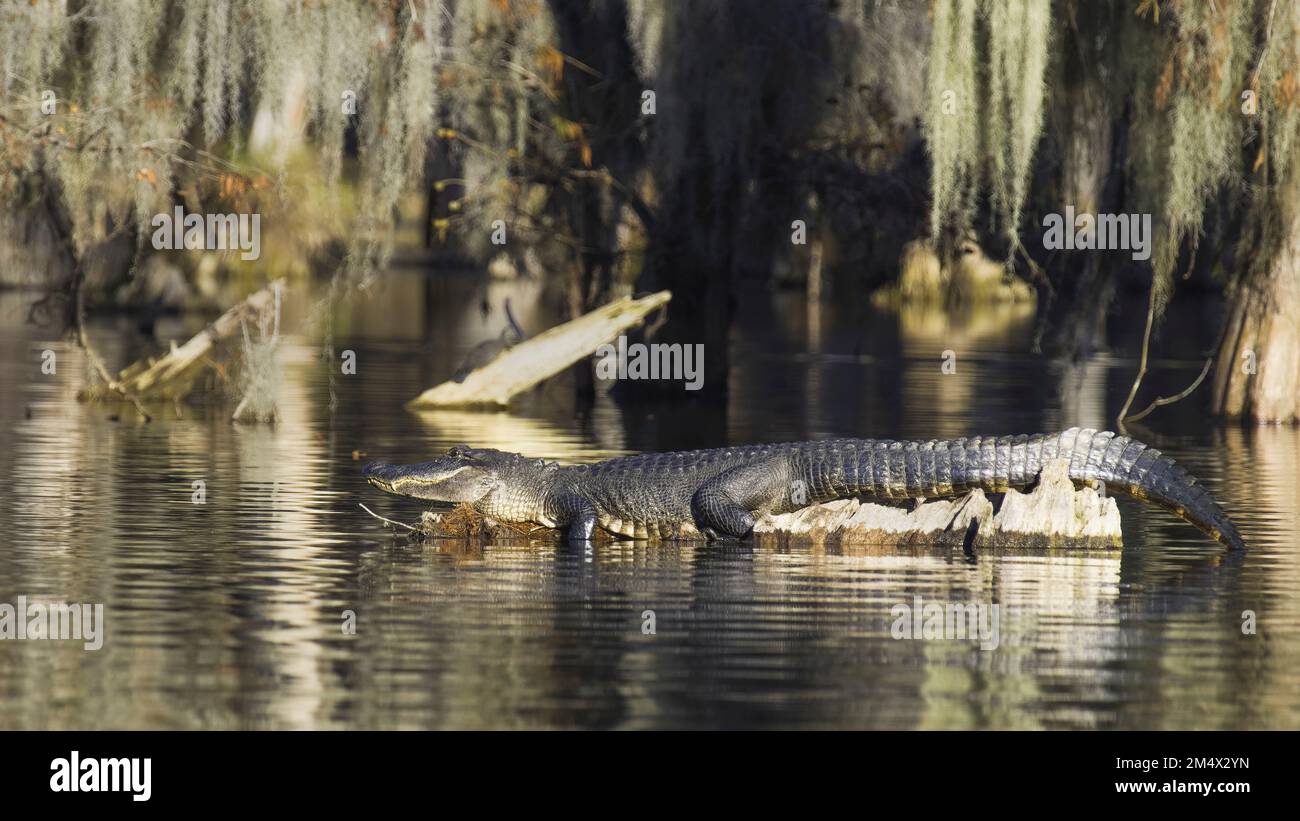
point(1084, 282)
point(1257, 373)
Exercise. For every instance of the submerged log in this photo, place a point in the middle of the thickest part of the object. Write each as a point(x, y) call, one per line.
point(519, 368)
point(1053, 514)
point(172, 376)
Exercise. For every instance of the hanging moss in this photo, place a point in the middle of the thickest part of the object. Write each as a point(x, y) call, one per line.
point(985, 108)
point(1019, 38)
point(951, 116)
point(1278, 87)
point(152, 97)
point(1188, 125)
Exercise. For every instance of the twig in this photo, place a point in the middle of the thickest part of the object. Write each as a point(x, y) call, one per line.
point(387, 521)
point(1142, 364)
point(1172, 399)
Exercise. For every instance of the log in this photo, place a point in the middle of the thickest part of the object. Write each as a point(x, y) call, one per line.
point(1052, 515)
point(519, 368)
point(172, 376)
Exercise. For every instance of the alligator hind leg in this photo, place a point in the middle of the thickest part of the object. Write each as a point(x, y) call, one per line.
point(717, 515)
point(725, 505)
point(578, 516)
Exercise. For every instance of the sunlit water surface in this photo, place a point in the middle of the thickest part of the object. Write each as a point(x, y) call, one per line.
point(232, 613)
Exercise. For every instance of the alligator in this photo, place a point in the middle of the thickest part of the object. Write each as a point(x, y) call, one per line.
point(719, 493)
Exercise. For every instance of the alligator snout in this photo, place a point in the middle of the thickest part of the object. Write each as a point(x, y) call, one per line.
point(379, 474)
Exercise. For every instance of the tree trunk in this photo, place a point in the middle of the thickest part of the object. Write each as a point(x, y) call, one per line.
point(1257, 373)
point(1084, 282)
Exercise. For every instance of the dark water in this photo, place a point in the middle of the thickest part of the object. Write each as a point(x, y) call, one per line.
point(230, 614)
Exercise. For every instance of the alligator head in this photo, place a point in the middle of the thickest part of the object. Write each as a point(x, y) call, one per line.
point(463, 474)
point(506, 486)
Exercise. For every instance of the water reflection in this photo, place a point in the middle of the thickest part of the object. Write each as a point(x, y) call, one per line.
point(231, 613)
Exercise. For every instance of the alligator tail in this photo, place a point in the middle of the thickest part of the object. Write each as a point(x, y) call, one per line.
point(1121, 462)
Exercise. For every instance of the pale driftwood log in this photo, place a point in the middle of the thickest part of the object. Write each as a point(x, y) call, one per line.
point(535, 360)
point(172, 376)
point(1053, 514)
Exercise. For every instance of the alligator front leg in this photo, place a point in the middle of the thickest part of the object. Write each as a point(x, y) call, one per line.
point(577, 515)
point(725, 505)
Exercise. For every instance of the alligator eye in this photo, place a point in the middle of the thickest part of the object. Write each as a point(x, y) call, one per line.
point(459, 451)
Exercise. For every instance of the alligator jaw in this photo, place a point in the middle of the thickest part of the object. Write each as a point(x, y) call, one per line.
point(420, 481)
point(448, 479)
point(380, 475)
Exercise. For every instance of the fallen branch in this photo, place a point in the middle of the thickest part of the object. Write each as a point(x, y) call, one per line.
point(388, 521)
point(173, 375)
point(535, 360)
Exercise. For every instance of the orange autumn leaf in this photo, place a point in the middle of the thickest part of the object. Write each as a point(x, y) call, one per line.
point(552, 63)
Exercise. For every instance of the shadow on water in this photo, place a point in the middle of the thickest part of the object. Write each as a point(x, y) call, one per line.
point(232, 613)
